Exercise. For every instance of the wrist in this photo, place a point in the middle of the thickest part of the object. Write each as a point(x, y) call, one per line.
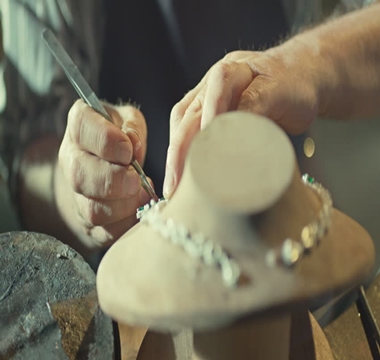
point(319, 67)
point(309, 54)
point(345, 57)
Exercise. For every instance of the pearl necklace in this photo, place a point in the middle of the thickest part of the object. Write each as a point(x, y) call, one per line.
point(199, 247)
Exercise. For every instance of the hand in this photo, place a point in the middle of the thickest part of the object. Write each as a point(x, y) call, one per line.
point(281, 83)
point(97, 191)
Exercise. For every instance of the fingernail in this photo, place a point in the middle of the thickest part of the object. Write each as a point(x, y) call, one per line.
point(169, 183)
point(123, 152)
point(135, 138)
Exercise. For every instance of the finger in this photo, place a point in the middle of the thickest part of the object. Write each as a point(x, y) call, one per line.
point(179, 144)
point(90, 132)
point(179, 109)
point(139, 146)
point(263, 97)
point(134, 126)
point(93, 177)
point(102, 236)
point(98, 212)
point(225, 85)
point(238, 55)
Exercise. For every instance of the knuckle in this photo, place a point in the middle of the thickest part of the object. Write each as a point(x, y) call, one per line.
point(75, 114)
point(230, 56)
point(235, 55)
point(75, 174)
point(131, 112)
point(253, 95)
point(222, 70)
point(108, 185)
point(93, 213)
point(104, 141)
point(133, 118)
point(75, 122)
point(75, 110)
point(196, 105)
point(110, 181)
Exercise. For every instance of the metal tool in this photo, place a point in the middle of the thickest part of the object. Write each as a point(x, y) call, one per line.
point(368, 319)
point(86, 93)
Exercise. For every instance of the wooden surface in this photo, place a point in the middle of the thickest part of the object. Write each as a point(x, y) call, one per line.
point(130, 341)
point(346, 334)
point(307, 340)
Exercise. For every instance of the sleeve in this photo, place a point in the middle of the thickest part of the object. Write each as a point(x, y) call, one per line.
point(304, 13)
point(354, 4)
point(346, 6)
point(35, 95)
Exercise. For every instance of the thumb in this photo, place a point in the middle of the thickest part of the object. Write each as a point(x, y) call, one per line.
point(133, 124)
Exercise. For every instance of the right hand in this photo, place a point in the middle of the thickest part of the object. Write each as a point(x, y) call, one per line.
point(279, 83)
point(97, 192)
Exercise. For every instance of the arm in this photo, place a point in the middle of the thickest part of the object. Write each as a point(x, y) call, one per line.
point(350, 52)
point(55, 191)
point(330, 70)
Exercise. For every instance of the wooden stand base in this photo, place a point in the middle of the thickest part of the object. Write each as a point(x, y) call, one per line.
point(295, 337)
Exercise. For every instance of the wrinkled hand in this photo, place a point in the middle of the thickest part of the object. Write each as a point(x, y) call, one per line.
point(280, 83)
point(94, 160)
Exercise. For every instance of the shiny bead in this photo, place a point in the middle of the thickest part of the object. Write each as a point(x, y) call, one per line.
point(182, 232)
point(199, 239)
point(213, 254)
point(308, 236)
point(308, 179)
point(291, 252)
point(322, 230)
point(208, 253)
point(230, 272)
point(192, 249)
point(170, 223)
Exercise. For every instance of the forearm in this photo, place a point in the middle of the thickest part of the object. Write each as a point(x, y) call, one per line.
point(349, 49)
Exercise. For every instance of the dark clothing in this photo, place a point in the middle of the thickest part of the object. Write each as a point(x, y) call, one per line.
point(154, 61)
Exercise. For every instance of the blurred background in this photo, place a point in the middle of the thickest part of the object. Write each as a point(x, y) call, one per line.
point(346, 157)
point(8, 218)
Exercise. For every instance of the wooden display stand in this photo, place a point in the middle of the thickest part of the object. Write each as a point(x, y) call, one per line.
point(242, 189)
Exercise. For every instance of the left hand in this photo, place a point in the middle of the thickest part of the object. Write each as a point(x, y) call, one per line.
point(283, 83)
point(96, 190)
